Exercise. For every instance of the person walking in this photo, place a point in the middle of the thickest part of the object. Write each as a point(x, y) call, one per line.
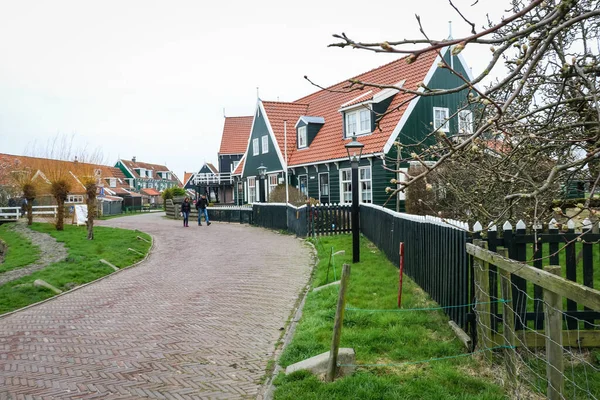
point(201, 205)
point(186, 208)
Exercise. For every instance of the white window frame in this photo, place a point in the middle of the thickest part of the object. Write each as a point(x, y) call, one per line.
point(255, 149)
point(346, 185)
point(273, 182)
point(265, 144)
point(74, 198)
point(112, 182)
point(305, 191)
point(328, 186)
point(465, 121)
point(360, 128)
point(251, 189)
point(443, 125)
point(234, 165)
point(401, 178)
point(302, 142)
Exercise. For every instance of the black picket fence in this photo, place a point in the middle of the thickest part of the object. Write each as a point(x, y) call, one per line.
point(573, 251)
point(329, 219)
point(434, 255)
point(243, 215)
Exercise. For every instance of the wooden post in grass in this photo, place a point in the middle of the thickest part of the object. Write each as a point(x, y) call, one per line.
point(337, 327)
point(508, 321)
point(554, 348)
point(482, 303)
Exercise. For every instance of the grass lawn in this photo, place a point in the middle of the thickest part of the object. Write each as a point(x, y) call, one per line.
point(399, 340)
point(20, 252)
point(81, 266)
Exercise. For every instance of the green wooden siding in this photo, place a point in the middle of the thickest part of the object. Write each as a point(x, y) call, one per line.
point(270, 159)
point(420, 121)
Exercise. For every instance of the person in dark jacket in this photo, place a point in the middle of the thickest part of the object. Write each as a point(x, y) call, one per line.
point(201, 205)
point(186, 208)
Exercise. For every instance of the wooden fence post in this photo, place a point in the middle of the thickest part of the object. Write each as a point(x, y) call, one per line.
point(482, 303)
point(508, 321)
point(337, 327)
point(554, 347)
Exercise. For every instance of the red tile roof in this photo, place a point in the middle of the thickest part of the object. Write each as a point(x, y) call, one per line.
point(212, 168)
point(236, 132)
point(74, 171)
point(329, 143)
point(278, 112)
point(150, 192)
point(240, 167)
point(186, 177)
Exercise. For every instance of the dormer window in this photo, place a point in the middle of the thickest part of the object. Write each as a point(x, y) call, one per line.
point(358, 122)
point(302, 137)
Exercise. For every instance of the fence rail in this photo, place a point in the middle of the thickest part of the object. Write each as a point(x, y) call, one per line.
point(329, 219)
point(15, 213)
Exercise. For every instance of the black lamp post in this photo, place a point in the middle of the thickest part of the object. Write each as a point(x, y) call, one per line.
point(354, 149)
point(262, 170)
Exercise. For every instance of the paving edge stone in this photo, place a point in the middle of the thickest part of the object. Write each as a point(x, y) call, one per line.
point(268, 389)
point(85, 284)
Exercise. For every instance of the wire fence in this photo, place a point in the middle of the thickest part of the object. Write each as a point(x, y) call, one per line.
point(555, 361)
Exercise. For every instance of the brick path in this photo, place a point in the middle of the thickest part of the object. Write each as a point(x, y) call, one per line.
point(198, 320)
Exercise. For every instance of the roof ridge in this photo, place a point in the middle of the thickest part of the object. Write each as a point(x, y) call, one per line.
point(356, 76)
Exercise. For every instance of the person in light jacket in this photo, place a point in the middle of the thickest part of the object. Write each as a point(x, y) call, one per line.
point(186, 208)
point(201, 205)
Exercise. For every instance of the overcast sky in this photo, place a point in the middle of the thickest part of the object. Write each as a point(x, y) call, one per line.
point(151, 78)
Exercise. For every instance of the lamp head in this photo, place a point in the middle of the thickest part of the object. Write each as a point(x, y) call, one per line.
point(354, 149)
point(262, 170)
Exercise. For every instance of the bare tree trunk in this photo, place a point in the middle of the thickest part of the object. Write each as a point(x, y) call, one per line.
point(60, 216)
point(91, 205)
point(29, 211)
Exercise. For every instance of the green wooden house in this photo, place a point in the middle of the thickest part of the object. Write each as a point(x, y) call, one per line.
point(142, 175)
point(308, 135)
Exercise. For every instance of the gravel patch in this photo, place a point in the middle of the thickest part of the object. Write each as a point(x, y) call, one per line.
point(51, 252)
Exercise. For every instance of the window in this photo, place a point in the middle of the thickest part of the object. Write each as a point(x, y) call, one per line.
point(234, 165)
point(303, 184)
point(324, 187)
point(255, 150)
point(346, 182)
point(112, 182)
point(440, 119)
point(74, 198)
point(364, 180)
point(365, 191)
point(265, 144)
point(252, 188)
point(401, 178)
point(302, 137)
point(465, 121)
point(358, 122)
point(273, 182)
point(149, 173)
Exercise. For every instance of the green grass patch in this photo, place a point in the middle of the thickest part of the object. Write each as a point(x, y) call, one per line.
point(82, 264)
point(405, 342)
point(20, 252)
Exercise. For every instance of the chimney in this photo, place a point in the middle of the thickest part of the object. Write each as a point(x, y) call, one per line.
point(133, 159)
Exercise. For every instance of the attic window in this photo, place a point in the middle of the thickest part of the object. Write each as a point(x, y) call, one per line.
point(112, 182)
point(358, 122)
point(440, 119)
point(302, 137)
point(465, 121)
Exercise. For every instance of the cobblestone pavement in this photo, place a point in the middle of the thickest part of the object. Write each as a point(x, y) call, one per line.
point(198, 319)
point(51, 251)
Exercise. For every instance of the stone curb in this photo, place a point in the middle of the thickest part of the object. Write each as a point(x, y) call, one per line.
point(268, 389)
point(85, 284)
